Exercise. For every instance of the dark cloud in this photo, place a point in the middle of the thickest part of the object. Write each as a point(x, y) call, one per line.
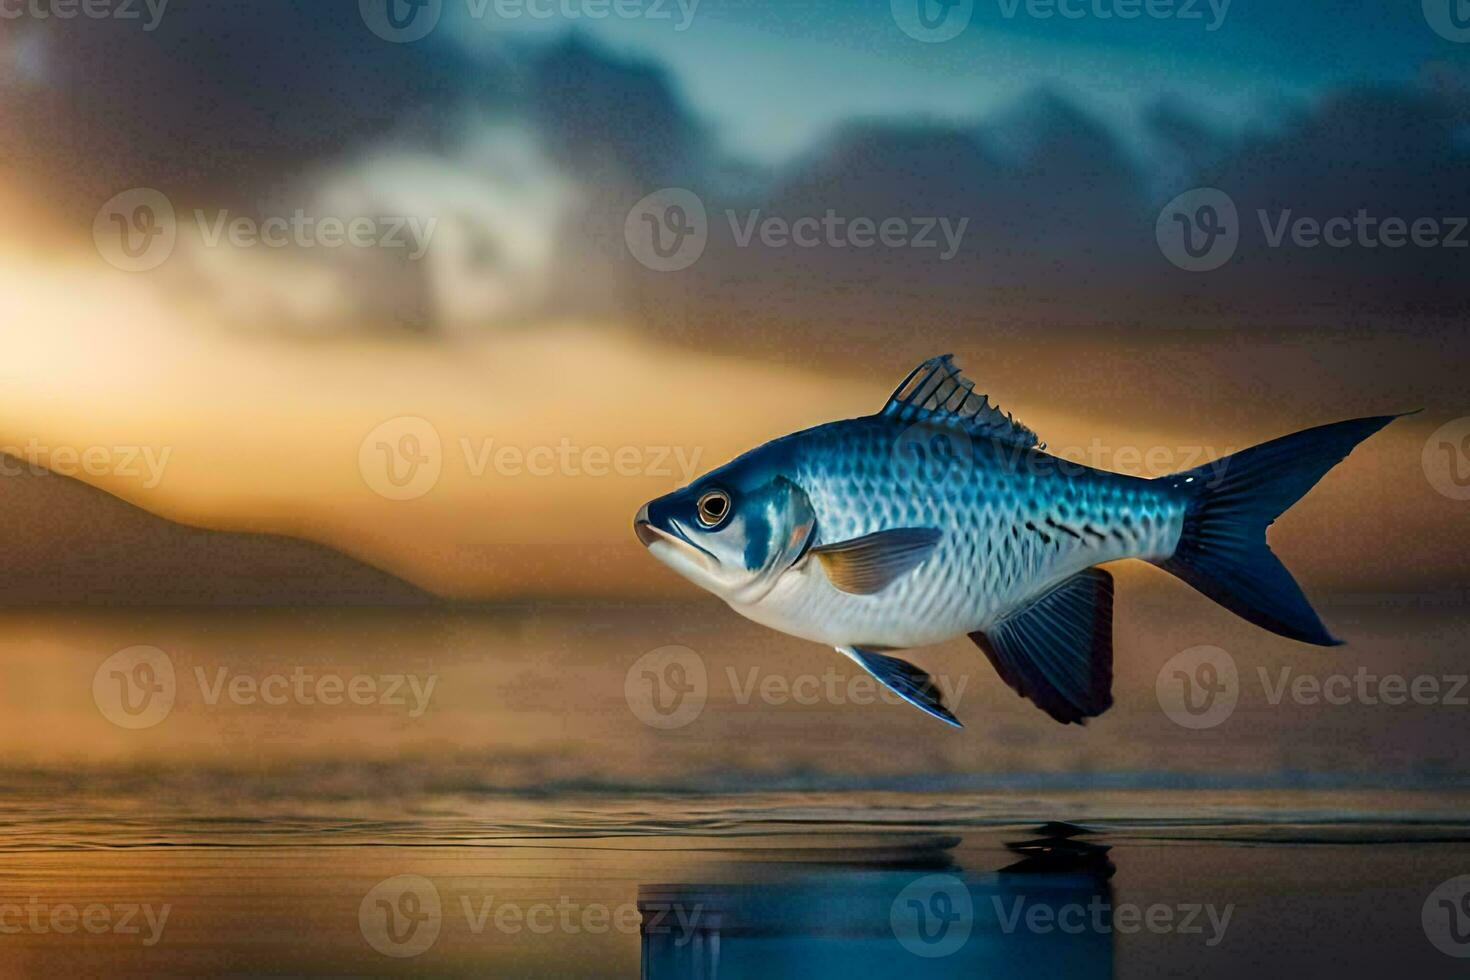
point(221, 100)
point(227, 101)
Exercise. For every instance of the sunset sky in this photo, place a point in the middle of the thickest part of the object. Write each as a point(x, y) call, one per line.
point(566, 383)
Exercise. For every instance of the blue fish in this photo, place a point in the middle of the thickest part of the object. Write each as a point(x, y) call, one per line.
point(942, 516)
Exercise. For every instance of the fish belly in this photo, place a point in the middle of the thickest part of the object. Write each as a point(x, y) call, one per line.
point(1015, 523)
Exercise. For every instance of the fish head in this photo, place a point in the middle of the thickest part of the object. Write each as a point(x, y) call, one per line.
point(734, 531)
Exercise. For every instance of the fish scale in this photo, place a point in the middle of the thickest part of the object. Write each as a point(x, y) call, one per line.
point(859, 482)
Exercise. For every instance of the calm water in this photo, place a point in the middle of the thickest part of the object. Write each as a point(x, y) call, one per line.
point(463, 792)
point(767, 885)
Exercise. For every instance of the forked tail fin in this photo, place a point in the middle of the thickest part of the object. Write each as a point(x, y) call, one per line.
point(1222, 550)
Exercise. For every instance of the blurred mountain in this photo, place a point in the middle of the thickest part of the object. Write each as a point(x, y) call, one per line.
point(70, 543)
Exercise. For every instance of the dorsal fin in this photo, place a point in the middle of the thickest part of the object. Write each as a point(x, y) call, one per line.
point(937, 392)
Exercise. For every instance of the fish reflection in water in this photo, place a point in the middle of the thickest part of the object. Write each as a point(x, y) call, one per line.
point(908, 911)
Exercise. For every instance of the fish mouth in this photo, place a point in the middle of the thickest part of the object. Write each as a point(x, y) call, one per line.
point(671, 543)
point(646, 532)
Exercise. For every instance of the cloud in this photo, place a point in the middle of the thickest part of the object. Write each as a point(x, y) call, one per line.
point(530, 154)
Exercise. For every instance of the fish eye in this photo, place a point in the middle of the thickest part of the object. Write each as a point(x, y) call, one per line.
point(713, 508)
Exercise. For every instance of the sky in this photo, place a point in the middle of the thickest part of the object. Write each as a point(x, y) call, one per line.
point(770, 77)
point(503, 300)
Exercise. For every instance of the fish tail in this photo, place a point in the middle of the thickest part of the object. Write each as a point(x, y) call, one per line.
point(1222, 549)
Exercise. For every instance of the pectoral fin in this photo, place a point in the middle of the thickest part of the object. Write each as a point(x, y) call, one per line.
point(865, 565)
point(905, 680)
point(1058, 651)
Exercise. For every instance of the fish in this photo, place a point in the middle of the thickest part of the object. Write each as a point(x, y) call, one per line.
point(942, 516)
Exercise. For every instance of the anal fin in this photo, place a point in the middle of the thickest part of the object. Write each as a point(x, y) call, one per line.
point(907, 681)
point(1058, 651)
